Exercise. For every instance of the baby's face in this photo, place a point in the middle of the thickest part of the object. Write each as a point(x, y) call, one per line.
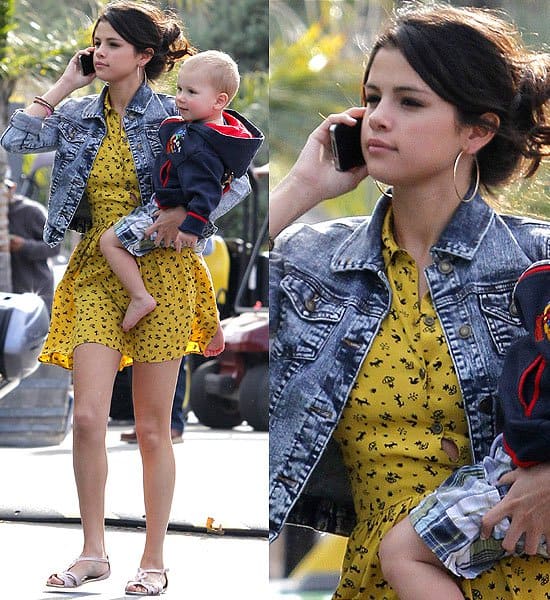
point(196, 97)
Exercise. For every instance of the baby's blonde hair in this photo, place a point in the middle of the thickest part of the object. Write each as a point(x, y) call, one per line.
point(222, 70)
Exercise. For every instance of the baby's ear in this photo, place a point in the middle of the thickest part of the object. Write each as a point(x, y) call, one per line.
point(222, 100)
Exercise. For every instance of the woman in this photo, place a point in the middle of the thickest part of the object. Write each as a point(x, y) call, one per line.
point(387, 343)
point(105, 147)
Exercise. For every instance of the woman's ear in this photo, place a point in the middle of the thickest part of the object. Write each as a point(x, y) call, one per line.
point(481, 135)
point(145, 56)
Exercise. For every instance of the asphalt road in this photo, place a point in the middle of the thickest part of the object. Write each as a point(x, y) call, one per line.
point(220, 474)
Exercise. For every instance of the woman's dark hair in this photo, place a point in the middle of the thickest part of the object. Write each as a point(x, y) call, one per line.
point(476, 60)
point(147, 26)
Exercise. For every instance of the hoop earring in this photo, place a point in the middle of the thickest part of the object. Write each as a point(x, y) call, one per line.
point(144, 78)
point(476, 188)
point(381, 189)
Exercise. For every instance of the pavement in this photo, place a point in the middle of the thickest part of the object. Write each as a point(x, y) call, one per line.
point(221, 475)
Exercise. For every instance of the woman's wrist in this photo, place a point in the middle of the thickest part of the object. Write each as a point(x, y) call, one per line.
point(43, 106)
point(288, 201)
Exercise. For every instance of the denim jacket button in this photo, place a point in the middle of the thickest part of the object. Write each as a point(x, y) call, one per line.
point(428, 321)
point(465, 331)
point(311, 303)
point(513, 309)
point(445, 267)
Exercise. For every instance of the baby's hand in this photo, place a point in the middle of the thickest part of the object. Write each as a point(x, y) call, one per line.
point(185, 240)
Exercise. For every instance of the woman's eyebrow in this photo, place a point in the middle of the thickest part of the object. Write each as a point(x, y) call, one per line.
point(398, 88)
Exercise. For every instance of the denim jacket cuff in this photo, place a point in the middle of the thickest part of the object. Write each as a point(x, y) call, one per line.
point(25, 122)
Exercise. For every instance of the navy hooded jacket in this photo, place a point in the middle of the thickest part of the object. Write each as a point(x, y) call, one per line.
point(197, 160)
point(524, 386)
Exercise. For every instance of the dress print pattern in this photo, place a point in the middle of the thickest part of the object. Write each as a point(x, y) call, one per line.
point(405, 402)
point(90, 302)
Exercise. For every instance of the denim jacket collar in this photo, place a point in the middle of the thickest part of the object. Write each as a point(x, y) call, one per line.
point(462, 236)
point(138, 104)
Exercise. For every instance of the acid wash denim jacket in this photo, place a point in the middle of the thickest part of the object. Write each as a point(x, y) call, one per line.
point(329, 295)
point(75, 132)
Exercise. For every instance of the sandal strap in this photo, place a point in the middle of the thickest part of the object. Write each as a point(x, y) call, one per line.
point(159, 571)
point(71, 580)
point(91, 558)
point(150, 587)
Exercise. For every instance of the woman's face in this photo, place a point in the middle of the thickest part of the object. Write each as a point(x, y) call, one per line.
point(410, 135)
point(114, 57)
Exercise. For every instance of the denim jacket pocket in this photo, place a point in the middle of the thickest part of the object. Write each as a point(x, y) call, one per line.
point(72, 136)
point(501, 318)
point(309, 312)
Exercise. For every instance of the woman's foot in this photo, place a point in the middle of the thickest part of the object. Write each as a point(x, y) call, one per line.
point(137, 309)
point(84, 569)
point(216, 345)
point(148, 582)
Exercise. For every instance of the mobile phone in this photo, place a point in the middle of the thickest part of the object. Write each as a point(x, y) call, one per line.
point(345, 141)
point(87, 64)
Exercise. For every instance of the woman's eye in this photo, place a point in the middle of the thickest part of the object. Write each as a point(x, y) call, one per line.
point(372, 99)
point(411, 102)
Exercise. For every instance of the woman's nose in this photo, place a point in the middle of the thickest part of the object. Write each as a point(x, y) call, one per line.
point(379, 118)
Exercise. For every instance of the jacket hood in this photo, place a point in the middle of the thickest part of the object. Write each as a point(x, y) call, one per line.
point(235, 152)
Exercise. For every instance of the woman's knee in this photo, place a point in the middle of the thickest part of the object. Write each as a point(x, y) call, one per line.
point(87, 422)
point(151, 434)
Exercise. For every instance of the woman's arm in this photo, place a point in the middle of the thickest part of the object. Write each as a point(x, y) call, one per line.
point(30, 130)
point(527, 504)
point(313, 177)
point(71, 80)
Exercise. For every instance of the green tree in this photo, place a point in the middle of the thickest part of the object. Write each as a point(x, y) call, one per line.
point(240, 28)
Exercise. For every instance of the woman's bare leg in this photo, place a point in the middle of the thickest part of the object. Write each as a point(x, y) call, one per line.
point(94, 372)
point(154, 385)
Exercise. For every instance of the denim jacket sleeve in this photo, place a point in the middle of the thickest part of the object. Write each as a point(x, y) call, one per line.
point(28, 135)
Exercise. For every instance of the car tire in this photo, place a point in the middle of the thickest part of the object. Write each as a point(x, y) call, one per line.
point(254, 397)
point(212, 410)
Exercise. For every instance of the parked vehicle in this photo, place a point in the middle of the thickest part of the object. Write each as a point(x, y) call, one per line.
point(24, 324)
point(234, 386)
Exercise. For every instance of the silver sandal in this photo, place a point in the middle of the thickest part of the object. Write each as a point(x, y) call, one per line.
point(71, 580)
point(151, 589)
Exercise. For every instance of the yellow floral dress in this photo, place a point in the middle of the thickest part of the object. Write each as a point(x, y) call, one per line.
point(405, 402)
point(90, 302)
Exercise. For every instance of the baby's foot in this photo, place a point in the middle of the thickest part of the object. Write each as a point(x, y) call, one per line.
point(216, 345)
point(137, 309)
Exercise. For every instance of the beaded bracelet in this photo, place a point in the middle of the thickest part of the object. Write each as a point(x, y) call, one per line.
point(44, 104)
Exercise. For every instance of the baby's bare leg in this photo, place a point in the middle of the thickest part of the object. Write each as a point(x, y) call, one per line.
point(125, 267)
point(412, 569)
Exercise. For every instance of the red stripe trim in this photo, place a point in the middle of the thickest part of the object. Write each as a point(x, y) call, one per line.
point(534, 270)
point(196, 216)
point(515, 459)
point(165, 173)
point(539, 364)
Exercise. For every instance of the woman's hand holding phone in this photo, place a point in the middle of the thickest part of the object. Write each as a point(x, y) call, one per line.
point(313, 178)
point(316, 166)
point(74, 77)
